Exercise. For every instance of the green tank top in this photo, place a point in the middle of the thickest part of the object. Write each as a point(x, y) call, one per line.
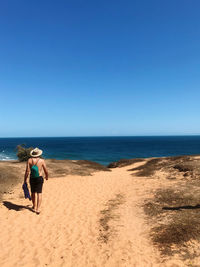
point(35, 170)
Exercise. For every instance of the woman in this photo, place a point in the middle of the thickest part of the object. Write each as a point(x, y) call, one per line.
point(34, 167)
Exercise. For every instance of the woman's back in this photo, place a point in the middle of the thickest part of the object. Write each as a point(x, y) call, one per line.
point(35, 166)
point(37, 163)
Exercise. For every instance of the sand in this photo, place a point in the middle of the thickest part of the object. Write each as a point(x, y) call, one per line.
point(94, 220)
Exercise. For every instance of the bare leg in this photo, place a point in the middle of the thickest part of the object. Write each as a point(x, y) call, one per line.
point(39, 201)
point(33, 200)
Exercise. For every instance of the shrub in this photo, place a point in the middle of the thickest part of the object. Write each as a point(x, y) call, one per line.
point(23, 153)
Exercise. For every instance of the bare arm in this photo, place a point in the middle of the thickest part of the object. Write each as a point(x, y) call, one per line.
point(27, 171)
point(45, 170)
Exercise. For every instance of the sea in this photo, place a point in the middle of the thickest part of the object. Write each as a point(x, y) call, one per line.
point(103, 149)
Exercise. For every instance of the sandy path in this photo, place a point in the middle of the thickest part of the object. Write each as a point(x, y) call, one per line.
point(69, 230)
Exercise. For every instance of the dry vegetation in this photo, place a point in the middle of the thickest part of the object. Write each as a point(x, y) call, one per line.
point(10, 175)
point(73, 167)
point(174, 212)
point(184, 165)
point(123, 162)
point(109, 214)
point(12, 172)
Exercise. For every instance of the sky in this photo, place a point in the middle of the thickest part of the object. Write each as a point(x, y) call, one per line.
point(99, 68)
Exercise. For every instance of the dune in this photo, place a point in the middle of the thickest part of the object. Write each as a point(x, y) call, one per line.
point(97, 216)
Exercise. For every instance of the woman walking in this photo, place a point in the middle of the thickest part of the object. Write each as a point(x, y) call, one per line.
point(35, 165)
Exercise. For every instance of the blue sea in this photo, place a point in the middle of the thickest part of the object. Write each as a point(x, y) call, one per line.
point(104, 149)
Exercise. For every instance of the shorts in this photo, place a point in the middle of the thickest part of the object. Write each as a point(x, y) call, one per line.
point(36, 184)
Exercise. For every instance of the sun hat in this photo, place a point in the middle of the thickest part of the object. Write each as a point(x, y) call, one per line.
point(36, 152)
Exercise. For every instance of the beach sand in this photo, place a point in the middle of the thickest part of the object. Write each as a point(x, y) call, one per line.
point(91, 220)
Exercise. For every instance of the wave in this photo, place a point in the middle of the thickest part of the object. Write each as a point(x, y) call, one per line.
point(6, 156)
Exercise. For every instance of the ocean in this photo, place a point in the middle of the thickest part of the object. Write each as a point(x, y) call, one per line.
point(104, 149)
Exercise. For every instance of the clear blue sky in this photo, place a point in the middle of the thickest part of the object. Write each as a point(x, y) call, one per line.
point(109, 67)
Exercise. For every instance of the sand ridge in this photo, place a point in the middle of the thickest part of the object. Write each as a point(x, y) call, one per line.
point(76, 212)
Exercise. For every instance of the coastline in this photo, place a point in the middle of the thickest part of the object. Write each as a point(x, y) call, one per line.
point(104, 150)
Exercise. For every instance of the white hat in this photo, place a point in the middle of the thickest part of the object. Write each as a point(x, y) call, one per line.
point(36, 152)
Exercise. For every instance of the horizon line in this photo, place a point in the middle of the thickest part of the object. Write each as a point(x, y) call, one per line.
point(86, 136)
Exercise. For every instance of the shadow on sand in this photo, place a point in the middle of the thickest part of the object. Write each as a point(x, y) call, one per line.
point(12, 206)
point(182, 207)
